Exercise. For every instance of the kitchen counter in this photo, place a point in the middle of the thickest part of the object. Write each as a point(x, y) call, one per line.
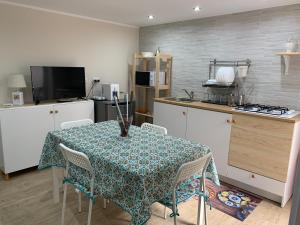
point(225, 109)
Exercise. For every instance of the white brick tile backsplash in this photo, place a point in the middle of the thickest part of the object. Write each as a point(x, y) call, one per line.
point(256, 35)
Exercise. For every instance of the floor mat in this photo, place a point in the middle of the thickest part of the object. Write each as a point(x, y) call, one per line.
point(232, 200)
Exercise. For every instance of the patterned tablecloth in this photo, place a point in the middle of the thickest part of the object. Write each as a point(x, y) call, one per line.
point(133, 172)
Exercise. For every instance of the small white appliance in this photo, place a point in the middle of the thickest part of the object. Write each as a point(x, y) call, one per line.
point(110, 90)
point(17, 82)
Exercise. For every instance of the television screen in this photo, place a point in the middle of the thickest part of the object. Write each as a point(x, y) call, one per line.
point(52, 83)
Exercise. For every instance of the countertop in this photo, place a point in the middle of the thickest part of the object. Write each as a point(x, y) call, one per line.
point(225, 109)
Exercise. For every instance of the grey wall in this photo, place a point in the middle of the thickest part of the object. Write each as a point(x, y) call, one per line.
point(256, 35)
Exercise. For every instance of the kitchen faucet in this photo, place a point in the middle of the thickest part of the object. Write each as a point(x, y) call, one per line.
point(190, 94)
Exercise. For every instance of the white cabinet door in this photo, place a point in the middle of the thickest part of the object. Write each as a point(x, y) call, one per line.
point(212, 129)
point(64, 112)
point(23, 132)
point(172, 117)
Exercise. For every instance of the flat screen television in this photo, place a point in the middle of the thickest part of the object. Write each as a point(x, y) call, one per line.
point(55, 83)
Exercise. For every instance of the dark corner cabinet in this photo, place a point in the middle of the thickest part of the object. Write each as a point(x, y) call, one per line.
point(107, 110)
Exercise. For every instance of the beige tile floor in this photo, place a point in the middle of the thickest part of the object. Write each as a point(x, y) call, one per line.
point(26, 199)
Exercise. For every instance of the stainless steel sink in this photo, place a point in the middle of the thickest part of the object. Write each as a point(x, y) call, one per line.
point(180, 99)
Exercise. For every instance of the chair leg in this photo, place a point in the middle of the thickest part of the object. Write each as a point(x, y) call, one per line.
point(199, 217)
point(64, 204)
point(90, 212)
point(104, 203)
point(79, 201)
point(175, 219)
point(174, 206)
point(165, 213)
point(205, 214)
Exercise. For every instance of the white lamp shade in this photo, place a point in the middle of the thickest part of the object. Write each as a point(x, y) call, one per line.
point(16, 81)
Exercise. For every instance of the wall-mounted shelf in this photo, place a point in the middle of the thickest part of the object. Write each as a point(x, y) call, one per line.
point(219, 85)
point(289, 53)
point(160, 87)
point(144, 114)
point(285, 60)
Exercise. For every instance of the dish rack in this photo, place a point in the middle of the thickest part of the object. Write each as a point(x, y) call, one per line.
point(219, 93)
point(213, 64)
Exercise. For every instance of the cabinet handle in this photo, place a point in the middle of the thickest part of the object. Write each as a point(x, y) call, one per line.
point(231, 121)
point(51, 112)
point(56, 111)
point(252, 176)
point(184, 113)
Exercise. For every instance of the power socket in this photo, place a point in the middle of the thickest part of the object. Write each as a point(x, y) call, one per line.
point(96, 79)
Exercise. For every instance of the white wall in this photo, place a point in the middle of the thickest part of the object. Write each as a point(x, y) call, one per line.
point(32, 37)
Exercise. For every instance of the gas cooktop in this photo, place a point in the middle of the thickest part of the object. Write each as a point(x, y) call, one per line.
point(267, 109)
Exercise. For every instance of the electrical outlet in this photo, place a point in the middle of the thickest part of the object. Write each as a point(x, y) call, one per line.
point(96, 79)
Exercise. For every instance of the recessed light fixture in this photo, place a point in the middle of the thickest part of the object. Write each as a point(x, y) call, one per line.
point(197, 8)
point(150, 17)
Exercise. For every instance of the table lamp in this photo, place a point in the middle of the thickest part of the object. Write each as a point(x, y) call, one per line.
point(17, 82)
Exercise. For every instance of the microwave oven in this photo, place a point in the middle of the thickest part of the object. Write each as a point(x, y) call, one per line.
point(148, 78)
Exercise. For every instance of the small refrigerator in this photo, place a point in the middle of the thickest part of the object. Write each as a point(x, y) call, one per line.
point(295, 212)
point(107, 110)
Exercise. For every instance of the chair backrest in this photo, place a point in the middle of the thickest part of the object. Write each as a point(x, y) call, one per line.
point(154, 128)
point(77, 158)
point(76, 123)
point(189, 169)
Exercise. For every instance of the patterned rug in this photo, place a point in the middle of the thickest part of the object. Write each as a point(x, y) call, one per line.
point(231, 200)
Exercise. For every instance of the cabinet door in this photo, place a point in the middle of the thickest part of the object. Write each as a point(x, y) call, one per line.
point(64, 112)
point(212, 129)
point(261, 146)
point(23, 135)
point(172, 117)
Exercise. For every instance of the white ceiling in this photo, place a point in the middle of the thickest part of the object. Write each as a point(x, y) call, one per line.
point(135, 12)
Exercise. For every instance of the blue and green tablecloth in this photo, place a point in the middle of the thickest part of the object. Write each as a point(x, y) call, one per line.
point(133, 172)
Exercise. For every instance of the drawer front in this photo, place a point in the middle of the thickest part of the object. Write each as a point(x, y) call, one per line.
point(264, 126)
point(257, 181)
point(261, 146)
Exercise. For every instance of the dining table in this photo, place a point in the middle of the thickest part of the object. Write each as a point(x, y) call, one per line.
point(133, 172)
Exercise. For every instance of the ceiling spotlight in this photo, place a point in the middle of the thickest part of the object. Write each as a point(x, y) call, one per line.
point(150, 17)
point(197, 8)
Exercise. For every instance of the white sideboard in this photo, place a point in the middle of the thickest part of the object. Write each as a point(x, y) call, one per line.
point(23, 130)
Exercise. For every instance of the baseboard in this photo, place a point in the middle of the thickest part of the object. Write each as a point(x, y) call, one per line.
point(254, 190)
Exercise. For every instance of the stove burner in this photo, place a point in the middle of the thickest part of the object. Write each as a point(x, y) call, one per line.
point(266, 109)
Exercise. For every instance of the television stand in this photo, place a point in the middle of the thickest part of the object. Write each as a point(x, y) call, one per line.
point(67, 99)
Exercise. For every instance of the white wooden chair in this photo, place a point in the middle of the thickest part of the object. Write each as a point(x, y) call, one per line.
point(76, 123)
point(79, 123)
point(154, 128)
point(185, 172)
point(81, 160)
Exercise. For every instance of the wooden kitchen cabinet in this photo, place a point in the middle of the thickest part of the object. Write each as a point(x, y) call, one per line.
point(261, 146)
point(202, 126)
point(172, 117)
point(212, 129)
point(254, 152)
